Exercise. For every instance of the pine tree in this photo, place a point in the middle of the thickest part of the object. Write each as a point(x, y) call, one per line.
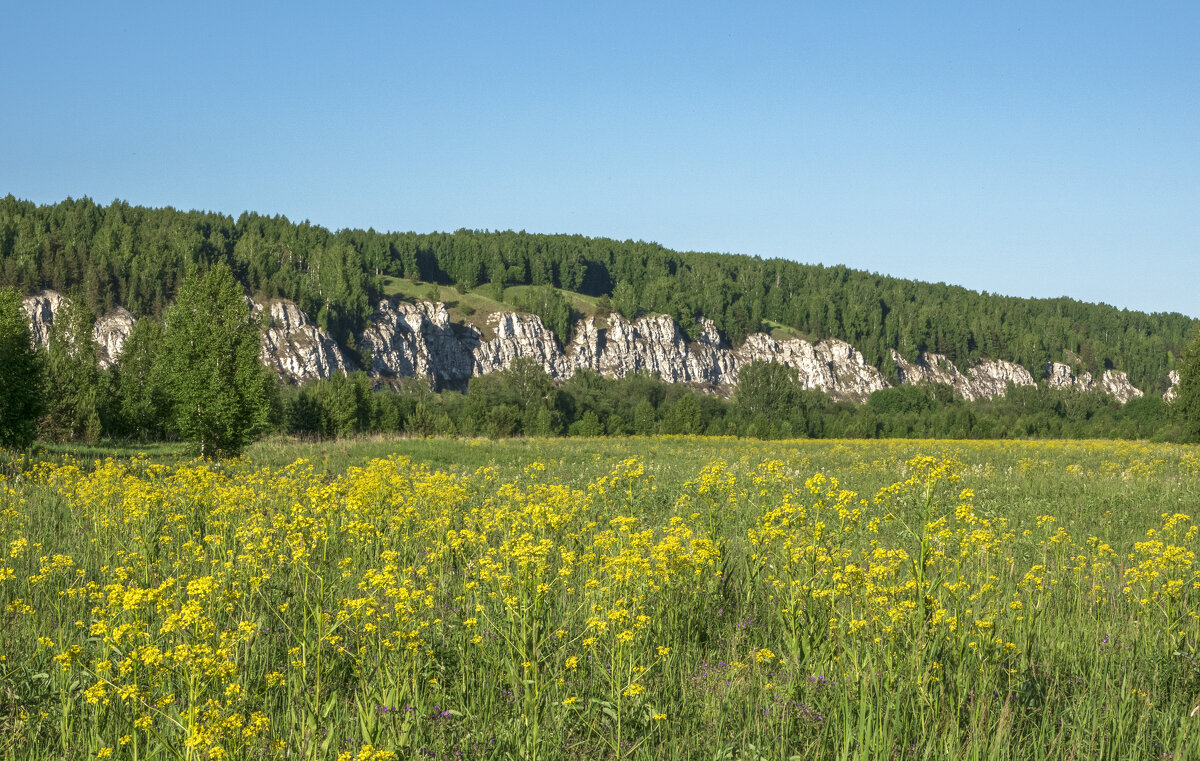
point(20, 375)
point(221, 393)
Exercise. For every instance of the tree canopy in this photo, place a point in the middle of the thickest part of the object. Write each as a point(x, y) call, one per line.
point(220, 391)
point(1186, 405)
point(21, 400)
point(137, 257)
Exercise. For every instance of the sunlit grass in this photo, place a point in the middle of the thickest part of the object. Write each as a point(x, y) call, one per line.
point(613, 598)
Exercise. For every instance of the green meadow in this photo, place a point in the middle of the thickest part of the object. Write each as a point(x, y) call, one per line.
point(644, 598)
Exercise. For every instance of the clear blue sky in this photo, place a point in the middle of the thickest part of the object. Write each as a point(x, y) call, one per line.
point(1024, 148)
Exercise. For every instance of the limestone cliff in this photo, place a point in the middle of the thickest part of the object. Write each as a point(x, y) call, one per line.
point(933, 368)
point(295, 348)
point(1115, 383)
point(110, 330)
point(829, 365)
point(418, 340)
point(519, 335)
point(41, 308)
point(110, 333)
point(654, 344)
point(992, 377)
point(1172, 391)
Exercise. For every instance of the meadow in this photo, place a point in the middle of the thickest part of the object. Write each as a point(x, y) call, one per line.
point(645, 598)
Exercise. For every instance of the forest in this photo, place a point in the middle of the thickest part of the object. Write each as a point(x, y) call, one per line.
point(137, 257)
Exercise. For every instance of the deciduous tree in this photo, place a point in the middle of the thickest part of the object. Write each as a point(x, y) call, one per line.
point(20, 375)
point(220, 390)
point(1186, 405)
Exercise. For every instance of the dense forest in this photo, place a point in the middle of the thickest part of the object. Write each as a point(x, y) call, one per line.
point(136, 257)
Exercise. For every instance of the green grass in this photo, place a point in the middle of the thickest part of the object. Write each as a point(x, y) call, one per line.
point(648, 598)
point(473, 307)
point(781, 332)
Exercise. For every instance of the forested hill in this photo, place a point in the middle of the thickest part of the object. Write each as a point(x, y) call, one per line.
point(135, 257)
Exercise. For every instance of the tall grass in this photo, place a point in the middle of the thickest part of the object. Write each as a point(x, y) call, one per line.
point(646, 598)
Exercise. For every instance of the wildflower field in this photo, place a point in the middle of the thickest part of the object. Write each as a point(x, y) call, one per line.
point(672, 598)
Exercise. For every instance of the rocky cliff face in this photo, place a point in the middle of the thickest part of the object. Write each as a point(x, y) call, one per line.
point(419, 340)
point(1061, 376)
point(830, 365)
point(519, 335)
point(110, 333)
point(295, 348)
point(985, 380)
point(653, 344)
point(41, 308)
point(992, 377)
point(1115, 383)
point(110, 330)
point(1172, 391)
point(934, 368)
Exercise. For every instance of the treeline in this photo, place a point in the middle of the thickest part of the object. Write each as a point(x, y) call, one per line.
point(136, 257)
point(134, 400)
point(769, 403)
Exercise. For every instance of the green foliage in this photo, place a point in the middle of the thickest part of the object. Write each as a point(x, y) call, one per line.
point(1186, 404)
point(139, 385)
point(683, 416)
point(553, 310)
point(220, 391)
point(587, 426)
point(766, 388)
point(340, 406)
point(21, 399)
point(625, 300)
point(137, 257)
point(73, 391)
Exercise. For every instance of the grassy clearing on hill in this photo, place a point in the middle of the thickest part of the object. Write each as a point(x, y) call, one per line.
point(474, 306)
point(643, 598)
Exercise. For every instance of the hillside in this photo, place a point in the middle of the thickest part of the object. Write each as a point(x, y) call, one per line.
point(134, 257)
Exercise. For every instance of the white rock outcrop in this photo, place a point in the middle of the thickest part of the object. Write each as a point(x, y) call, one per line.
point(829, 365)
point(934, 368)
point(41, 308)
point(110, 333)
point(1061, 376)
point(653, 344)
point(419, 340)
point(1116, 384)
point(295, 348)
point(992, 377)
point(1173, 390)
point(520, 335)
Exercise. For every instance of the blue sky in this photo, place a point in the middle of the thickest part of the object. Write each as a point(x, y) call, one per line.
point(1024, 148)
